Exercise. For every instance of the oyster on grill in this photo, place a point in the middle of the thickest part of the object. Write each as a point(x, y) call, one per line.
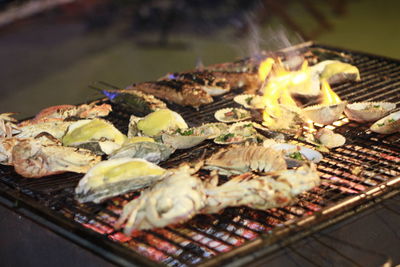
point(324, 114)
point(150, 151)
point(176, 198)
point(250, 101)
point(98, 135)
point(34, 158)
point(183, 139)
point(335, 71)
point(134, 101)
point(232, 115)
point(296, 152)
point(238, 133)
point(115, 177)
point(240, 159)
point(387, 125)
point(368, 111)
point(212, 130)
point(276, 189)
point(330, 139)
point(156, 123)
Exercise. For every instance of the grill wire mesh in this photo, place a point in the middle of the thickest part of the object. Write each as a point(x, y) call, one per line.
point(366, 161)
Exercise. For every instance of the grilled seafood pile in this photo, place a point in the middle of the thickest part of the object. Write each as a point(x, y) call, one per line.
point(259, 173)
point(162, 204)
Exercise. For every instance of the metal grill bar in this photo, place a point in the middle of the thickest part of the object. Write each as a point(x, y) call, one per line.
point(367, 166)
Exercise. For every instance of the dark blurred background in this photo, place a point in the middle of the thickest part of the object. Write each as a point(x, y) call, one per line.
point(51, 50)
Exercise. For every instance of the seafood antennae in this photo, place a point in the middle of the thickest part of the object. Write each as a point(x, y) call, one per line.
point(108, 84)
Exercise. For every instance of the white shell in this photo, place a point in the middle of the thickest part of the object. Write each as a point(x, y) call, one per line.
point(325, 114)
point(182, 141)
point(212, 130)
point(240, 128)
point(330, 139)
point(116, 176)
point(308, 153)
point(220, 115)
point(368, 111)
point(241, 139)
point(387, 125)
point(255, 102)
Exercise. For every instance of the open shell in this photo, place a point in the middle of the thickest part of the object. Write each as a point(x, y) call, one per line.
point(212, 130)
point(308, 153)
point(368, 111)
point(330, 139)
point(243, 128)
point(95, 131)
point(238, 115)
point(387, 125)
point(249, 101)
point(115, 177)
point(155, 123)
point(325, 114)
point(178, 141)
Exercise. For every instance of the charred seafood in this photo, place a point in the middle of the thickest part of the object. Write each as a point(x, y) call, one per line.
point(175, 91)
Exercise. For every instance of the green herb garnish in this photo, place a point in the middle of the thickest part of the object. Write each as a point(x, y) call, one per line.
point(296, 155)
point(391, 120)
point(381, 124)
point(377, 106)
point(248, 100)
point(225, 137)
point(185, 132)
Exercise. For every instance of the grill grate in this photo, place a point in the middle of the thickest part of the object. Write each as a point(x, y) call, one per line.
point(365, 166)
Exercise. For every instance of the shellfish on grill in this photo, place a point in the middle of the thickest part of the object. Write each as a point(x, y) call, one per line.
point(330, 139)
point(212, 130)
point(56, 128)
point(177, 197)
point(98, 135)
point(275, 189)
point(150, 151)
point(368, 111)
point(34, 158)
point(335, 71)
point(250, 101)
point(232, 115)
point(324, 114)
point(387, 125)
point(183, 139)
point(238, 133)
point(240, 159)
point(115, 177)
point(297, 152)
point(155, 123)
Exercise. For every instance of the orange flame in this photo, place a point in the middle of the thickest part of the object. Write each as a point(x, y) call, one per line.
point(277, 92)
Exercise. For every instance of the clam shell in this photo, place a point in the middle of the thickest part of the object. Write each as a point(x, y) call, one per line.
point(324, 114)
point(220, 115)
point(330, 139)
point(254, 103)
point(243, 128)
point(387, 125)
point(368, 111)
point(240, 139)
point(183, 141)
point(212, 130)
point(308, 153)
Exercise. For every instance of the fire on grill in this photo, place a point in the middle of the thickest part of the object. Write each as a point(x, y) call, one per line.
point(274, 156)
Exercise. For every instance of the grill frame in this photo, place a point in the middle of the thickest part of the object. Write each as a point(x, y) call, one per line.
point(101, 245)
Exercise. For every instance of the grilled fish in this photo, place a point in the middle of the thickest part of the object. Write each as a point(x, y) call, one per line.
point(175, 91)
